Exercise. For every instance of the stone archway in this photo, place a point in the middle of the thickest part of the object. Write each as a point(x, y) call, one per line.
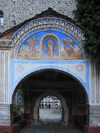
point(64, 106)
point(38, 90)
point(68, 59)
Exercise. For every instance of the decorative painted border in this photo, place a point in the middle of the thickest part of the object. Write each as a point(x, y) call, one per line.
point(53, 66)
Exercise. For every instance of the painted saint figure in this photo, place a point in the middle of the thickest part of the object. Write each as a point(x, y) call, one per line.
point(32, 43)
point(68, 46)
point(50, 48)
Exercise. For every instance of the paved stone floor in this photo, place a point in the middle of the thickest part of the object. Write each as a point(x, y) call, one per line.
point(49, 129)
point(50, 116)
point(50, 121)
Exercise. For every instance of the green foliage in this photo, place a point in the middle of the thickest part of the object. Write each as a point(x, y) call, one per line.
point(88, 15)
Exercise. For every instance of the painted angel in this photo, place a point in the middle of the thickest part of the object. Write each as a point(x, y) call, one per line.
point(32, 43)
point(67, 43)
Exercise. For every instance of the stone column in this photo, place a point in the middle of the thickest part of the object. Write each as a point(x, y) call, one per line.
point(5, 76)
point(94, 83)
point(5, 97)
point(94, 110)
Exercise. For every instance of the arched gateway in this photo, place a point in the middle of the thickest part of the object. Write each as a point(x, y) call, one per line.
point(47, 57)
point(64, 106)
point(48, 47)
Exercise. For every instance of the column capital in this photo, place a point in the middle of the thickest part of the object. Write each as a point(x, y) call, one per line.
point(6, 43)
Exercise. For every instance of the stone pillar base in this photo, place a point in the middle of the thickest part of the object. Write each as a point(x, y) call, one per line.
point(94, 116)
point(5, 115)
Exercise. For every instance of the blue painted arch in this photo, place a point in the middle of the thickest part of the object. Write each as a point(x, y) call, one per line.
point(85, 85)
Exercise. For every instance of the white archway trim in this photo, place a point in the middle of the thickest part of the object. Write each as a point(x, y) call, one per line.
point(51, 93)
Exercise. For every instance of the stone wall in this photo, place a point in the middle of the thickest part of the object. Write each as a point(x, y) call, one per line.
point(17, 11)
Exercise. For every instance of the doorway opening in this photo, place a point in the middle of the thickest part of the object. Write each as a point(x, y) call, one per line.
point(50, 111)
point(50, 84)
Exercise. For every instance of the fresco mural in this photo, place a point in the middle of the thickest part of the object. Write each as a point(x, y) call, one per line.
point(44, 45)
point(50, 48)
